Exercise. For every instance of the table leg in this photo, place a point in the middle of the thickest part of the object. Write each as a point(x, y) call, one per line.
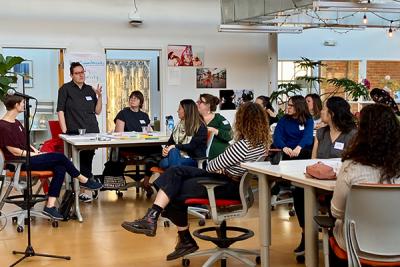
point(264, 206)
point(311, 229)
point(76, 161)
point(67, 153)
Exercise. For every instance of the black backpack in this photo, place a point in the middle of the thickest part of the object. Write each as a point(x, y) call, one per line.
point(66, 204)
point(113, 174)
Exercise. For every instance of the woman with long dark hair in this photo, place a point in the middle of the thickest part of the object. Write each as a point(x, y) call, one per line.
point(265, 103)
point(294, 131)
point(329, 142)
point(252, 139)
point(188, 139)
point(372, 157)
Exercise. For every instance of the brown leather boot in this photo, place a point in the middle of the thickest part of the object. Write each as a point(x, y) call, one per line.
point(186, 245)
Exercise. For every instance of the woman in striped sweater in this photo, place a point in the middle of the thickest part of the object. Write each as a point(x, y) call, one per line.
point(177, 184)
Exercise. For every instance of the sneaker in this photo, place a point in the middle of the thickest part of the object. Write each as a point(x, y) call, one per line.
point(53, 213)
point(91, 184)
point(299, 251)
point(83, 197)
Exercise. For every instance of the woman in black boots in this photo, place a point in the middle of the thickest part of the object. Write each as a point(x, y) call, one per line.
point(252, 138)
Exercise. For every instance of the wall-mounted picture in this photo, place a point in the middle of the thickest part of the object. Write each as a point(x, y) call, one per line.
point(185, 56)
point(243, 96)
point(210, 78)
point(227, 100)
point(25, 68)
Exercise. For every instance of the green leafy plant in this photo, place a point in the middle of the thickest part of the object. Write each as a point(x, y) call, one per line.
point(353, 89)
point(7, 77)
point(310, 81)
point(282, 95)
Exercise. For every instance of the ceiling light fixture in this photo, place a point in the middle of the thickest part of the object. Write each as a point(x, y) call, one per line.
point(259, 29)
point(134, 16)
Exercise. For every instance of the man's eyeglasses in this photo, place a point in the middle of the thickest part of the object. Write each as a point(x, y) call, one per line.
point(290, 105)
point(79, 73)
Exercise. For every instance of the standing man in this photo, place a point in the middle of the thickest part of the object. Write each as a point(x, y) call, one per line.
point(77, 107)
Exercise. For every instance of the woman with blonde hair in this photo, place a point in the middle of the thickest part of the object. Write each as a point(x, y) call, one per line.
point(252, 138)
point(188, 139)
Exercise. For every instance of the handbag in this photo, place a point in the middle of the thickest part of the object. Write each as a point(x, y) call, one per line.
point(321, 171)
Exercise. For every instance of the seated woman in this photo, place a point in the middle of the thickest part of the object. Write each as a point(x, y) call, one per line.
point(252, 138)
point(13, 145)
point(372, 157)
point(188, 139)
point(294, 131)
point(130, 119)
point(314, 105)
point(267, 106)
point(216, 123)
point(329, 142)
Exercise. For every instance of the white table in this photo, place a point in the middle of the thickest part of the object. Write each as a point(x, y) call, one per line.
point(75, 143)
point(292, 171)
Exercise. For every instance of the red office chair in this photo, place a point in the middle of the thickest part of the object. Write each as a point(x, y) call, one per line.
point(221, 210)
point(55, 144)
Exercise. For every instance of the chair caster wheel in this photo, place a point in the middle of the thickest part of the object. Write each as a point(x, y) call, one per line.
point(149, 194)
point(208, 216)
point(300, 259)
point(292, 213)
point(258, 260)
point(120, 194)
point(14, 220)
point(54, 224)
point(20, 229)
point(166, 224)
point(185, 262)
point(272, 207)
point(202, 222)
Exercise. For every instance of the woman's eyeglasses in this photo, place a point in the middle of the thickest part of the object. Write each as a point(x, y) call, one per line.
point(200, 101)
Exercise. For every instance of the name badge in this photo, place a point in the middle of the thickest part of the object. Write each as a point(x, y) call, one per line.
point(142, 122)
point(301, 127)
point(339, 145)
point(89, 98)
point(225, 122)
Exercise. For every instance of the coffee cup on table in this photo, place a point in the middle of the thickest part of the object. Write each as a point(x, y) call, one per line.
point(82, 131)
point(275, 156)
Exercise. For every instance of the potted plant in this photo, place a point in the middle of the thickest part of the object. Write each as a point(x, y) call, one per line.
point(353, 89)
point(309, 81)
point(7, 77)
point(282, 95)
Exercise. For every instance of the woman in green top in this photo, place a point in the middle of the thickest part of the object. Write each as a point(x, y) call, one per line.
point(217, 124)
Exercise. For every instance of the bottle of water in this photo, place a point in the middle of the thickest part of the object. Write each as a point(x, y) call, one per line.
point(170, 125)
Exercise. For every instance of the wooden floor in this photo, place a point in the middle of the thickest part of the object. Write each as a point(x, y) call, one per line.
point(101, 241)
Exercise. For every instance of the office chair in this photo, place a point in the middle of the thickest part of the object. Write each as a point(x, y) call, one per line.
point(221, 210)
point(372, 234)
point(18, 182)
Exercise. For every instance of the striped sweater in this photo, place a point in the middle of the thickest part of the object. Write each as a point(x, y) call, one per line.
point(229, 161)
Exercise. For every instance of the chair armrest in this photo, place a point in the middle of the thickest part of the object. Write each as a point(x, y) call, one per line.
point(211, 182)
point(324, 221)
point(200, 158)
point(15, 161)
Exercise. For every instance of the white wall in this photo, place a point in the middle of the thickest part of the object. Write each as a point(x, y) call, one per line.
point(92, 26)
point(372, 44)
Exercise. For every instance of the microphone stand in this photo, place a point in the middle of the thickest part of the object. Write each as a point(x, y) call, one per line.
point(29, 251)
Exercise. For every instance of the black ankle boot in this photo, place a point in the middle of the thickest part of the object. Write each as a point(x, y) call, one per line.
point(147, 225)
point(186, 245)
point(300, 249)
